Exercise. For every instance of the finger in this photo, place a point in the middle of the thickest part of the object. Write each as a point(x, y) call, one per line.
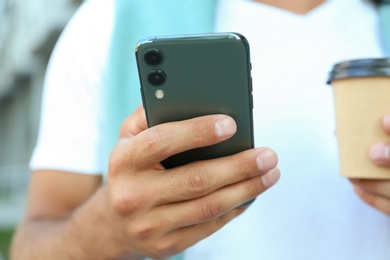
point(194, 234)
point(177, 241)
point(380, 154)
point(160, 142)
point(134, 124)
point(374, 200)
point(201, 178)
point(386, 123)
point(378, 187)
point(216, 204)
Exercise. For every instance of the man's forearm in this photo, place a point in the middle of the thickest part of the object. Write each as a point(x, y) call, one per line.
point(82, 235)
point(44, 239)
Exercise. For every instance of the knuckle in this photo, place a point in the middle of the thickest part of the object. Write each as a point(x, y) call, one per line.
point(254, 189)
point(124, 204)
point(124, 129)
point(210, 209)
point(199, 181)
point(141, 230)
point(200, 135)
point(240, 167)
point(165, 248)
point(376, 202)
point(120, 158)
point(154, 141)
point(115, 162)
point(218, 223)
point(371, 200)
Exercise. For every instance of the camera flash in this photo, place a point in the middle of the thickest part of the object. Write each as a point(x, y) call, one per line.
point(159, 94)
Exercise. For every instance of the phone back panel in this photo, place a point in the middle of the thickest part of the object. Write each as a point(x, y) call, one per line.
point(205, 74)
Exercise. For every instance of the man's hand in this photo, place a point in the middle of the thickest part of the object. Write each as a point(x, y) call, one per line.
point(144, 209)
point(377, 192)
point(159, 212)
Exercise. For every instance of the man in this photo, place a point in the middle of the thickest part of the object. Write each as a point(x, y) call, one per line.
point(145, 210)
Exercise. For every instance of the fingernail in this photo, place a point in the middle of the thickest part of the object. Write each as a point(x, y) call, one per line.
point(380, 152)
point(225, 126)
point(386, 121)
point(266, 160)
point(270, 178)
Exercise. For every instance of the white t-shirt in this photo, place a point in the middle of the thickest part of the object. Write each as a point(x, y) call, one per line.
point(312, 213)
point(70, 129)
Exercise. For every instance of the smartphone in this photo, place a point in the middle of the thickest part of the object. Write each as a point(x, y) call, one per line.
point(186, 76)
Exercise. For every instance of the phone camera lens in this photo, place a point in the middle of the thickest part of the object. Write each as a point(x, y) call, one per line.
point(157, 77)
point(153, 57)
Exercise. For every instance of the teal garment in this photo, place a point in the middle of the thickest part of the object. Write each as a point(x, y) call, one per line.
point(134, 20)
point(137, 19)
point(384, 17)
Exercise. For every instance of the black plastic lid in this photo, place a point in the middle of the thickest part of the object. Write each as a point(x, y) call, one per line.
point(360, 68)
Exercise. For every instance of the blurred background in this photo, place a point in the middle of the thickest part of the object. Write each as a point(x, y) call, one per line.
point(28, 31)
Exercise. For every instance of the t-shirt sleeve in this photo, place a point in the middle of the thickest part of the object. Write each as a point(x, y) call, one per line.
point(70, 125)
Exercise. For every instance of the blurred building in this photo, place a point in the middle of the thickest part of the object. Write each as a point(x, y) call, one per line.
point(28, 32)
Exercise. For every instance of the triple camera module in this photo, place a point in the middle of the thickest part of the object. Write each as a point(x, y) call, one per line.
point(156, 77)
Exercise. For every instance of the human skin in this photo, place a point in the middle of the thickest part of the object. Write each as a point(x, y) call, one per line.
point(75, 216)
point(144, 209)
point(376, 193)
point(297, 6)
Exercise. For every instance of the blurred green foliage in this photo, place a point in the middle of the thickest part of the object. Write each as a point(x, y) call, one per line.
point(5, 241)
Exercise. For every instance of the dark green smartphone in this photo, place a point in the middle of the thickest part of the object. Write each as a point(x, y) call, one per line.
point(187, 76)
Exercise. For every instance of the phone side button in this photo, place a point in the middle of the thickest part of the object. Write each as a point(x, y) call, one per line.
point(142, 96)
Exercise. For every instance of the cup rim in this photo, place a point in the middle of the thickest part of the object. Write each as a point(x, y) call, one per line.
point(360, 68)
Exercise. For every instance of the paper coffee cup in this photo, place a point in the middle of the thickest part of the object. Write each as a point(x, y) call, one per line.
point(361, 90)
